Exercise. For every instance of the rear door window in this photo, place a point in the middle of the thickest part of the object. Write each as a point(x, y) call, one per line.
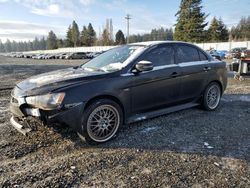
point(185, 53)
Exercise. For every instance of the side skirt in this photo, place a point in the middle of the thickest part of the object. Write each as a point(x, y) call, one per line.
point(152, 114)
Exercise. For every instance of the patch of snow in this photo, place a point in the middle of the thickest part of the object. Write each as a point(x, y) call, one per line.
point(216, 164)
point(208, 146)
point(148, 129)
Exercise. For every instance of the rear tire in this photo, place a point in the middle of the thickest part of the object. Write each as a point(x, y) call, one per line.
point(211, 96)
point(101, 121)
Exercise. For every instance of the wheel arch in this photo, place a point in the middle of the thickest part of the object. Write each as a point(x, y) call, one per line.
point(216, 81)
point(110, 97)
point(219, 83)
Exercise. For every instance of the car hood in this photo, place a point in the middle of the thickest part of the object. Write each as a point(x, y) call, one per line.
point(50, 81)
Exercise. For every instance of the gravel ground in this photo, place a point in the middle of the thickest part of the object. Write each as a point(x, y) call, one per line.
point(190, 148)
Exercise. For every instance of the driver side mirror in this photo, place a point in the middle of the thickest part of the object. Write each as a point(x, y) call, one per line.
point(142, 66)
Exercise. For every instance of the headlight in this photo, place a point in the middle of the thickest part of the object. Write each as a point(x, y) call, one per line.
point(46, 102)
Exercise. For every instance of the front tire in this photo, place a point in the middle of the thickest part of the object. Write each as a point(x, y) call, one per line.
point(211, 96)
point(101, 121)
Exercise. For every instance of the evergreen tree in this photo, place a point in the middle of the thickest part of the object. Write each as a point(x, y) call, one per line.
point(119, 38)
point(60, 43)
point(241, 31)
point(36, 44)
point(14, 46)
point(91, 35)
point(43, 43)
point(217, 31)
point(75, 34)
point(224, 33)
point(170, 34)
point(190, 21)
point(20, 46)
point(155, 34)
point(7, 46)
point(106, 41)
point(69, 42)
point(135, 38)
point(2, 49)
point(30, 46)
point(25, 46)
point(84, 36)
point(213, 31)
point(51, 41)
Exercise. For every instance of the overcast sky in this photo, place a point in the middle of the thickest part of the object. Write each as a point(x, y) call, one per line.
point(25, 19)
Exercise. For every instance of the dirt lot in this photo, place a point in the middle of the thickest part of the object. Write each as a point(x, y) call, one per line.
point(190, 148)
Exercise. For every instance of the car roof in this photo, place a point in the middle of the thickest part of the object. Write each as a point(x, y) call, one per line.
point(150, 43)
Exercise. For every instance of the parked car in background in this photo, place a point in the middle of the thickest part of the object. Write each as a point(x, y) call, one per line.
point(123, 85)
point(35, 56)
point(245, 54)
point(63, 55)
point(95, 54)
point(27, 55)
point(92, 55)
point(76, 55)
point(214, 54)
point(42, 56)
point(57, 56)
point(18, 55)
point(50, 56)
point(235, 53)
point(222, 53)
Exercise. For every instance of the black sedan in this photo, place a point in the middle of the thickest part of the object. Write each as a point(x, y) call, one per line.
point(123, 85)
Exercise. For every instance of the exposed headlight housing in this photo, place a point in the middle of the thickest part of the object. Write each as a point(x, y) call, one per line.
point(46, 102)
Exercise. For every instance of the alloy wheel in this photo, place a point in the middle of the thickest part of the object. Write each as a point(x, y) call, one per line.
point(103, 123)
point(213, 96)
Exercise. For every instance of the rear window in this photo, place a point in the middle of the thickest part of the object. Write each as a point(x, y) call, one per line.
point(186, 53)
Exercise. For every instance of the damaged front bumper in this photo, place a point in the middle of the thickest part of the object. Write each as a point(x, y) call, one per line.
point(69, 114)
point(18, 124)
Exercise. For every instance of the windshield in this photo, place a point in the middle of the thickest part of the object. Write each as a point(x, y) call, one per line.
point(112, 60)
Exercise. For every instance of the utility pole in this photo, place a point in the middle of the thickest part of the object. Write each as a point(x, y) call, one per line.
point(128, 18)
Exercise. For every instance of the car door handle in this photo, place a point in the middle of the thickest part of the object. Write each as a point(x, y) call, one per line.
point(207, 68)
point(175, 74)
